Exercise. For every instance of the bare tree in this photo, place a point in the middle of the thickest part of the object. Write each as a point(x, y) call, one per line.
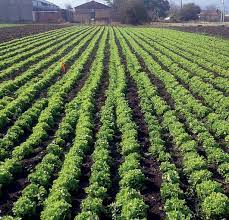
point(174, 10)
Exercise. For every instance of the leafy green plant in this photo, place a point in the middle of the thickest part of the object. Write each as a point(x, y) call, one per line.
point(206, 188)
point(215, 205)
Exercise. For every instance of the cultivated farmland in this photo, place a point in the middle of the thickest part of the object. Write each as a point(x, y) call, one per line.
point(8, 25)
point(10, 32)
point(114, 123)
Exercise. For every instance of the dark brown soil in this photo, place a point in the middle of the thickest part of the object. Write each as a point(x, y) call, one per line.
point(222, 143)
point(11, 194)
point(189, 197)
point(10, 33)
point(217, 31)
point(117, 160)
point(219, 178)
point(150, 168)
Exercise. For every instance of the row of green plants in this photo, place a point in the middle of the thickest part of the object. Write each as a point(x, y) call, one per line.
point(18, 43)
point(198, 128)
point(215, 99)
point(212, 44)
point(214, 59)
point(215, 155)
point(196, 66)
point(12, 165)
point(194, 165)
point(58, 203)
point(175, 206)
point(194, 105)
point(11, 54)
point(5, 101)
point(21, 127)
point(42, 177)
point(92, 207)
point(15, 64)
point(210, 57)
point(48, 116)
point(52, 196)
point(196, 169)
point(22, 102)
point(179, 94)
point(60, 50)
point(193, 64)
point(34, 52)
point(129, 203)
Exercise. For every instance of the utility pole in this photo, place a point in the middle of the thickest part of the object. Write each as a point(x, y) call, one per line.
point(181, 4)
point(222, 12)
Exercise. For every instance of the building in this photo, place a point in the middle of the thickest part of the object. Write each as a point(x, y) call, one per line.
point(43, 5)
point(39, 11)
point(210, 15)
point(93, 12)
point(46, 12)
point(15, 10)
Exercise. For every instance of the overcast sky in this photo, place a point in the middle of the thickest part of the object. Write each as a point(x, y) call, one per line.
point(203, 3)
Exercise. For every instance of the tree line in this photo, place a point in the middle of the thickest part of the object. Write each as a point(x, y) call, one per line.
point(141, 11)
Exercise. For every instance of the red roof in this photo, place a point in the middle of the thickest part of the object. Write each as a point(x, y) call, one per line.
point(92, 5)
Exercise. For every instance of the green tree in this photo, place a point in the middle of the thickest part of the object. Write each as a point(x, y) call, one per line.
point(161, 7)
point(134, 12)
point(189, 12)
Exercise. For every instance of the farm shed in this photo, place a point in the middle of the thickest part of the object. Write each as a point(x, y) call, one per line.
point(46, 12)
point(93, 12)
point(15, 10)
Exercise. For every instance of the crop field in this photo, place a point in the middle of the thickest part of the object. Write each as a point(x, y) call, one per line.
point(114, 123)
point(219, 31)
point(14, 31)
point(9, 25)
